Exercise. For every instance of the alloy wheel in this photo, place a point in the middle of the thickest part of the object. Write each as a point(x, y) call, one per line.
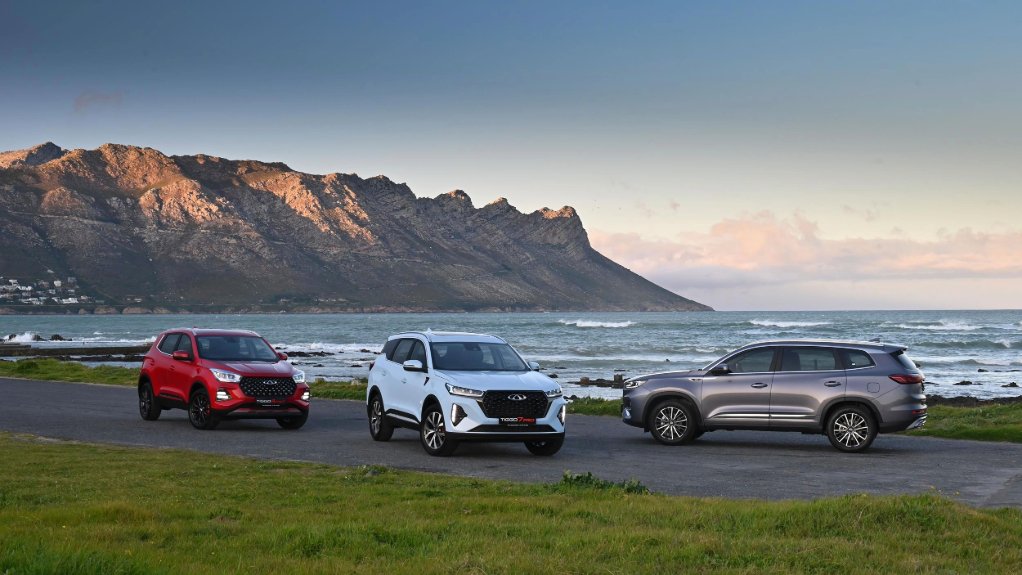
point(671, 423)
point(851, 429)
point(433, 430)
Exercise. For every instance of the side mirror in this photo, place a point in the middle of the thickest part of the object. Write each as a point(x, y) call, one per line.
point(721, 369)
point(534, 366)
point(413, 365)
point(181, 355)
point(282, 356)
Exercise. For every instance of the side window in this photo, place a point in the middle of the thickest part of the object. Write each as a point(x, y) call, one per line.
point(808, 359)
point(418, 352)
point(752, 361)
point(184, 344)
point(169, 343)
point(402, 350)
point(855, 358)
point(388, 348)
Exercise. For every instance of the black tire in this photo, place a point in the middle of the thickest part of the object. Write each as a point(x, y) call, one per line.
point(851, 428)
point(200, 410)
point(293, 422)
point(380, 428)
point(673, 422)
point(148, 405)
point(433, 432)
point(545, 447)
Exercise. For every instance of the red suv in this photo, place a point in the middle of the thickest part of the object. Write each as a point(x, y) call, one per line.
point(221, 374)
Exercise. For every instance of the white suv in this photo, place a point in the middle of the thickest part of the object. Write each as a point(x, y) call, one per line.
point(456, 387)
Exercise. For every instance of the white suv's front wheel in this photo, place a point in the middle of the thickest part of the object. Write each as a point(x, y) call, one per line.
point(433, 432)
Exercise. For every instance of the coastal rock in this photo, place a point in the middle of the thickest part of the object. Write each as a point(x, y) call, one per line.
point(981, 370)
point(966, 382)
point(130, 223)
point(58, 337)
point(1012, 384)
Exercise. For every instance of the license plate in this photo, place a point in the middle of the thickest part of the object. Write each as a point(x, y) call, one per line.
point(267, 403)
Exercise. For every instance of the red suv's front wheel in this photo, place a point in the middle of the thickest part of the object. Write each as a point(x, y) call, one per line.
point(200, 410)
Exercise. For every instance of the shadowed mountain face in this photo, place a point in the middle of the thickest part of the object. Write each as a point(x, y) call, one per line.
point(186, 231)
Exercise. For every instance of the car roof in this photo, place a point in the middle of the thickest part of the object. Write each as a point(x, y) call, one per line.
point(204, 331)
point(874, 345)
point(442, 336)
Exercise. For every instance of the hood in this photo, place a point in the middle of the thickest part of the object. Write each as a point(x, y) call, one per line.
point(660, 374)
point(499, 380)
point(256, 368)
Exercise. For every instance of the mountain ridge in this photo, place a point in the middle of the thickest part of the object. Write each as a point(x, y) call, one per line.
point(135, 226)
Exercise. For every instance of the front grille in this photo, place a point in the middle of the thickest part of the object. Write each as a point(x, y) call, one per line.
point(499, 404)
point(268, 387)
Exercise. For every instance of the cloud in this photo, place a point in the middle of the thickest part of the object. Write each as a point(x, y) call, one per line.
point(87, 100)
point(763, 250)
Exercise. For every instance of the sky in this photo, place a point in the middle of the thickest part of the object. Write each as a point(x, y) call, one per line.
point(748, 155)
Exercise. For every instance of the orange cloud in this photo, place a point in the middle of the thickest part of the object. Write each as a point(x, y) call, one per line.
point(762, 249)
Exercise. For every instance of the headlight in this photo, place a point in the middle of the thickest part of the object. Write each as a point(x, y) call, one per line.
point(455, 390)
point(633, 383)
point(298, 376)
point(555, 392)
point(225, 376)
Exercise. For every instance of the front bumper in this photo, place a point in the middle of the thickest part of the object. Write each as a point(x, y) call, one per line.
point(473, 424)
point(240, 406)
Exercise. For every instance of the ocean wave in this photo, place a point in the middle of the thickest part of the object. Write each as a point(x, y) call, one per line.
point(776, 323)
point(590, 323)
point(992, 344)
point(941, 325)
point(338, 348)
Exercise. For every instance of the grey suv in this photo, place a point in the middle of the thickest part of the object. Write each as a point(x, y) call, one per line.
point(849, 391)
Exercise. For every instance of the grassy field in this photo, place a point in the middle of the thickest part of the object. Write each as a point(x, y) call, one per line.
point(84, 509)
point(985, 422)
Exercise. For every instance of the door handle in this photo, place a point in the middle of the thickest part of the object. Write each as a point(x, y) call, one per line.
point(832, 383)
point(759, 385)
point(404, 380)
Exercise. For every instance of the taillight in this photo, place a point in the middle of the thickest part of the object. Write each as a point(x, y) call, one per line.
point(907, 378)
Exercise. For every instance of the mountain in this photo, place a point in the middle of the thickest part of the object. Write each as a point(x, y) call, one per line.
point(134, 226)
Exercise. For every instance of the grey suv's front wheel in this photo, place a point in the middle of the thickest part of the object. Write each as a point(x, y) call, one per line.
point(433, 432)
point(673, 422)
point(851, 428)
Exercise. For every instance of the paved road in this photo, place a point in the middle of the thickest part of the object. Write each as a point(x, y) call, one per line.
point(720, 464)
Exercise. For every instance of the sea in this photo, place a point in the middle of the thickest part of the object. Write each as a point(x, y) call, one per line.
point(983, 348)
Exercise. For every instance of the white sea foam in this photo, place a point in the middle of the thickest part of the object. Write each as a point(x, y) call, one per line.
point(941, 325)
point(774, 323)
point(590, 323)
point(26, 337)
point(339, 348)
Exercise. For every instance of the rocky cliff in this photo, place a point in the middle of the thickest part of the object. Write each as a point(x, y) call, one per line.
point(183, 232)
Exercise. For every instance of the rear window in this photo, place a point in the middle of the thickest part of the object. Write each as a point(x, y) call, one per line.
point(904, 360)
point(808, 359)
point(854, 359)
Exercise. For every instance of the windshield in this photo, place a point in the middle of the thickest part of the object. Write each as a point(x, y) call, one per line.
point(235, 348)
point(471, 356)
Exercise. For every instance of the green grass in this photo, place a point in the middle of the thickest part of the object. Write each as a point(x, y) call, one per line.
point(595, 406)
point(55, 370)
point(84, 509)
point(985, 423)
point(355, 389)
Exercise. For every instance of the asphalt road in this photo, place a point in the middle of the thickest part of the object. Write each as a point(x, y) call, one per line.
point(719, 464)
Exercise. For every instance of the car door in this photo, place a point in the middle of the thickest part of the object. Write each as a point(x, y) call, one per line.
point(393, 388)
point(740, 397)
point(413, 383)
point(182, 372)
point(162, 376)
point(807, 378)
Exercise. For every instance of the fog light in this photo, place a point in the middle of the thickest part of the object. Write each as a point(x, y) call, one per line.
point(306, 395)
point(562, 413)
point(223, 395)
point(626, 413)
point(457, 414)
